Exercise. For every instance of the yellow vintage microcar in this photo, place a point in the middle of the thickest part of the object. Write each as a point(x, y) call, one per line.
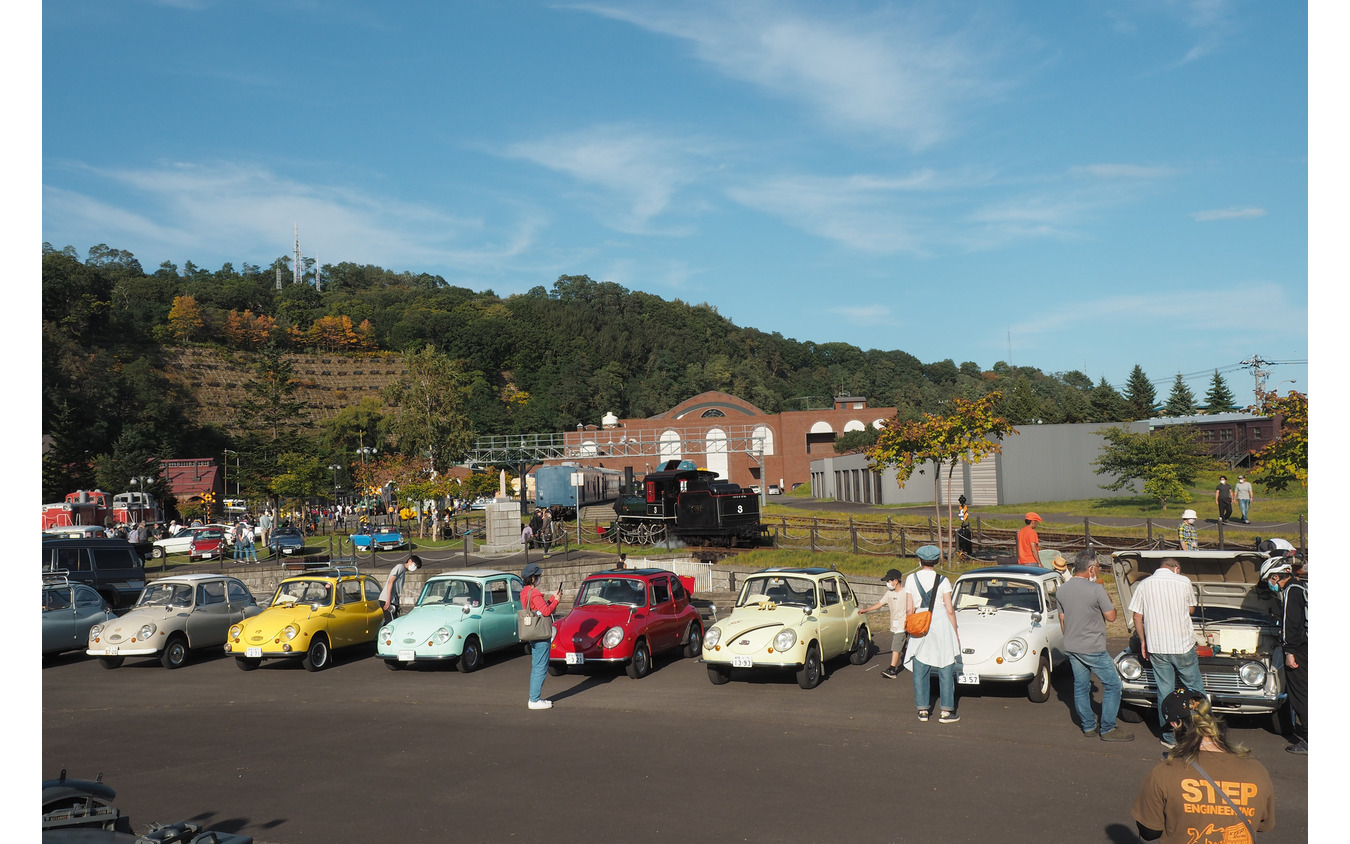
point(310, 616)
point(788, 618)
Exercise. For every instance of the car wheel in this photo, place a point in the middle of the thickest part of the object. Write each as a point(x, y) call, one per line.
point(318, 655)
point(393, 664)
point(1130, 715)
point(556, 669)
point(694, 645)
point(472, 658)
point(809, 676)
point(1038, 690)
point(111, 661)
point(641, 663)
point(157, 553)
point(175, 652)
point(718, 674)
point(247, 663)
point(862, 647)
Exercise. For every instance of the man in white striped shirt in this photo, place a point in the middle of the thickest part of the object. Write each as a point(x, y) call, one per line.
point(1162, 604)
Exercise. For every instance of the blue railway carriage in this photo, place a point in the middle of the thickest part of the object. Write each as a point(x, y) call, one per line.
point(553, 487)
point(691, 505)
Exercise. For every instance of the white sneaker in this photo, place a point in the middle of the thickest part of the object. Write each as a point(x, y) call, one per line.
point(541, 704)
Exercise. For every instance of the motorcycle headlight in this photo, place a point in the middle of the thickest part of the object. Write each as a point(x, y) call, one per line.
point(1015, 649)
point(235, 631)
point(711, 639)
point(95, 630)
point(786, 638)
point(146, 631)
point(1252, 673)
point(1130, 667)
point(441, 636)
point(613, 636)
point(291, 631)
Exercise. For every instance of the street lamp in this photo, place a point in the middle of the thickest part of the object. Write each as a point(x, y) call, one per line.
point(225, 483)
point(334, 467)
point(142, 483)
point(1285, 381)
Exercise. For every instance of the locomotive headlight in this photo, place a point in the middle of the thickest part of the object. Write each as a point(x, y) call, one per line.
point(613, 636)
point(1252, 673)
point(291, 631)
point(1015, 649)
point(1130, 667)
point(786, 638)
point(714, 636)
point(146, 631)
point(442, 636)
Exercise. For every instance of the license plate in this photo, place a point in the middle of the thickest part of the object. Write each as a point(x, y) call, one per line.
point(253, 653)
point(208, 555)
point(405, 656)
point(110, 651)
point(742, 662)
point(576, 659)
point(968, 679)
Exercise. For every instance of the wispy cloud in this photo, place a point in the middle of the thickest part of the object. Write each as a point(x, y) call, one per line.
point(1237, 212)
point(194, 208)
point(1210, 23)
point(865, 314)
point(634, 168)
point(906, 72)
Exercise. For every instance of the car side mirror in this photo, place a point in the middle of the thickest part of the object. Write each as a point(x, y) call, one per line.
point(1035, 618)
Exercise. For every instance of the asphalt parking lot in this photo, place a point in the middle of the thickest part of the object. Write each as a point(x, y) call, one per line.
point(361, 753)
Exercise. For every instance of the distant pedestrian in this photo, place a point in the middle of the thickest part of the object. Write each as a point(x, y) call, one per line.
point(1161, 606)
point(546, 532)
point(1279, 576)
point(1028, 543)
point(939, 648)
point(1084, 610)
point(623, 562)
point(391, 595)
point(1244, 498)
point(894, 601)
point(237, 542)
point(264, 526)
point(246, 536)
point(1186, 535)
point(1223, 497)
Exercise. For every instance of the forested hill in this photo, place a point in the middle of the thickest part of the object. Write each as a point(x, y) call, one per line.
point(579, 349)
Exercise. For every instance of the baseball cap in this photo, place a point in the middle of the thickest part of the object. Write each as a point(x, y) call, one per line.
point(893, 574)
point(1178, 706)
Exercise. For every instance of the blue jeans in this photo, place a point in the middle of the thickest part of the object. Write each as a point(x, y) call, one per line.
point(1084, 666)
point(1167, 670)
point(538, 668)
point(923, 686)
point(1244, 504)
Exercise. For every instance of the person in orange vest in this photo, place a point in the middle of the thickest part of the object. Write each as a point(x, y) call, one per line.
point(1028, 543)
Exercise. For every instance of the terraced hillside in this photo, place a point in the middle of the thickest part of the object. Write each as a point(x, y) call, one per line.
point(326, 382)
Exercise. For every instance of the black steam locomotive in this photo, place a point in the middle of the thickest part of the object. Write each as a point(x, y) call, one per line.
point(683, 502)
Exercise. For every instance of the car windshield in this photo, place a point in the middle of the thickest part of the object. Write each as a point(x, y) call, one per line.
point(997, 592)
point(629, 591)
point(287, 533)
point(467, 593)
point(304, 592)
point(208, 534)
point(166, 595)
point(793, 591)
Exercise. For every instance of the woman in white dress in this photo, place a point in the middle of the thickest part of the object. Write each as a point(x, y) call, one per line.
point(938, 650)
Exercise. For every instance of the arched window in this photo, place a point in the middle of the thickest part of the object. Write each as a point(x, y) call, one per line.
point(762, 437)
point(854, 425)
point(716, 452)
point(822, 427)
point(670, 445)
point(711, 412)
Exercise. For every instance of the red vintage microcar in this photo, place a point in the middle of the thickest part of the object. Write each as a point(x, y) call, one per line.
point(624, 616)
point(207, 543)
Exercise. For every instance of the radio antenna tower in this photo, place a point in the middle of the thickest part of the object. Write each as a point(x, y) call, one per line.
point(318, 282)
point(298, 269)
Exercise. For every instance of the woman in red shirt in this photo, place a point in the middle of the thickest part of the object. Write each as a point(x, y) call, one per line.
point(534, 601)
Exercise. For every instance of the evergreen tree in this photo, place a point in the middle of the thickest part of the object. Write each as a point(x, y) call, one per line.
point(1107, 404)
point(1140, 395)
point(1219, 399)
point(1181, 401)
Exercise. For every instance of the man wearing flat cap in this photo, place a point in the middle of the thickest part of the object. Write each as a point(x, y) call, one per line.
point(1028, 543)
point(894, 601)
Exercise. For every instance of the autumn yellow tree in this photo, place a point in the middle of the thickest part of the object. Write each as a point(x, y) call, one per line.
point(334, 333)
point(1284, 460)
point(247, 330)
point(185, 318)
point(970, 432)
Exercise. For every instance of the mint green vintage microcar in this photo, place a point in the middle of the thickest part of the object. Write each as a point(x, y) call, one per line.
point(459, 617)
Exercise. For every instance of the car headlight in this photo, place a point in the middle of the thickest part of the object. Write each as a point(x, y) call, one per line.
point(146, 631)
point(1015, 649)
point(712, 637)
point(1252, 673)
point(95, 630)
point(1130, 667)
point(613, 636)
point(291, 631)
point(386, 632)
point(235, 631)
point(786, 638)
point(441, 636)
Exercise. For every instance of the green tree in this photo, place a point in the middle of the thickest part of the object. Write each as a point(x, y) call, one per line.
point(1164, 485)
point(1136, 456)
point(271, 405)
point(1284, 461)
point(1107, 404)
point(1219, 399)
point(429, 408)
point(1140, 394)
point(300, 476)
point(851, 441)
point(1181, 401)
point(970, 432)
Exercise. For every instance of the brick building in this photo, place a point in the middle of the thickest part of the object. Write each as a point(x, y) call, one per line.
point(728, 435)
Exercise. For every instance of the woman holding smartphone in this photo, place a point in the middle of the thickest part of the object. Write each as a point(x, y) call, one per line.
point(535, 602)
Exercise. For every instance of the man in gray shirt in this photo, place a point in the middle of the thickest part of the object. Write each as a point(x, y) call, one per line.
point(1084, 609)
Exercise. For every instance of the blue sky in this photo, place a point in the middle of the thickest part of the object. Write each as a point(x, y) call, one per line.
point(1067, 185)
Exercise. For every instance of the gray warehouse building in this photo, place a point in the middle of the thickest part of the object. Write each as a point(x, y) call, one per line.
point(1039, 463)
